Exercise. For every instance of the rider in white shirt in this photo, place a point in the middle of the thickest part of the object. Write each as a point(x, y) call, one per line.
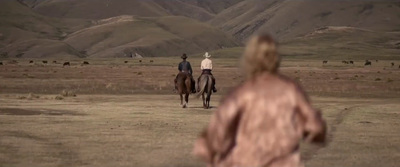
point(206, 68)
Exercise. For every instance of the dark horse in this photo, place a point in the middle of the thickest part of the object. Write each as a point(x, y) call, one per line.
point(206, 86)
point(184, 86)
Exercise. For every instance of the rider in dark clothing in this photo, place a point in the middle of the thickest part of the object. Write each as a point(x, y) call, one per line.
point(185, 66)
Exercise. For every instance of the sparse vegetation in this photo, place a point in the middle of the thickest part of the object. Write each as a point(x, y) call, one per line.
point(58, 97)
point(32, 96)
point(28, 76)
point(68, 93)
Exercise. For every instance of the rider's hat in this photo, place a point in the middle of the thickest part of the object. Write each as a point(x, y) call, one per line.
point(206, 55)
point(184, 56)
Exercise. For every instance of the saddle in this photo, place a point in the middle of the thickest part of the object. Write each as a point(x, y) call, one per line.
point(206, 72)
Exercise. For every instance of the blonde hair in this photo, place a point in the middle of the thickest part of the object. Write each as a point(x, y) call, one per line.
point(260, 56)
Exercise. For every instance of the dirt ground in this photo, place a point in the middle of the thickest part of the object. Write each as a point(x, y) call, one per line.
point(125, 114)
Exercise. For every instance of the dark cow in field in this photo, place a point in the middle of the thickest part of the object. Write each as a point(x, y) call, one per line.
point(392, 64)
point(151, 61)
point(1, 63)
point(44, 62)
point(376, 61)
point(345, 62)
point(140, 61)
point(351, 62)
point(85, 63)
point(125, 62)
point(54, 62)
point(367, 63)
point(66, 64)
point(325, 62)
point(31, 62)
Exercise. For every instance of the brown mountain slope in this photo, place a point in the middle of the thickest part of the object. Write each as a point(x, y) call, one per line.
point(287, 19)
point(214, 6)
point(25, 33)
point(335, 43)
point(101, 9)
point(160, 36)
point(344, 43)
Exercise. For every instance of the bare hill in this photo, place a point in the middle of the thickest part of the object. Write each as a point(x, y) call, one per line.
point(335, 43)
point(24, 33)
point(287, 19)
point(115, 28)
point(102, 9)
point(344, 43)
point(159, 36)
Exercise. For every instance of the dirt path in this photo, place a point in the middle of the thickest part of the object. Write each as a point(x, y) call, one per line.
point(152, 130)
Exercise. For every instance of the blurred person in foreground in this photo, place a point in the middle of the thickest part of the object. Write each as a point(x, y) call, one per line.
point(262, 121)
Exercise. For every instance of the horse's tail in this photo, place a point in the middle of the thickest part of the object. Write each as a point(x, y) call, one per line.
point(202, 85)
point(209, 86)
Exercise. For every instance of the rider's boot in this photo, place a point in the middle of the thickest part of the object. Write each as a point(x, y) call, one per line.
point(214, 89)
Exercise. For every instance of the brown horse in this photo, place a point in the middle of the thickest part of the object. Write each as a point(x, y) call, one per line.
point(184, 86)
point(205, 85)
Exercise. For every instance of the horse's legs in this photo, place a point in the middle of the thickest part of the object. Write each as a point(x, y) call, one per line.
point(186, 99)
point(181, 98)
point(204, 100)
point(208, 100)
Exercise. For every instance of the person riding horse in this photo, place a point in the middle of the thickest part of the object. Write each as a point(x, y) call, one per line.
point(185, 67)
point(206, 68)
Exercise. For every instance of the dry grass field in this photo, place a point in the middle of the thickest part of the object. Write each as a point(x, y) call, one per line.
point(125, 114)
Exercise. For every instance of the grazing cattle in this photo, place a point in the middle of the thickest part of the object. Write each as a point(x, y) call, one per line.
point(399, 66)
point(151, 61)
point(85, 63)
point(325, 62)
point(1, 63)
point(392, 64)
point(351, 62)
point(54, 62)
point(376, 61)
point(125, 62)
point(345, 62)
point(66, 64)
point(44, 62)
point(140, 61)
point(31, 61)
point(367, 63)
